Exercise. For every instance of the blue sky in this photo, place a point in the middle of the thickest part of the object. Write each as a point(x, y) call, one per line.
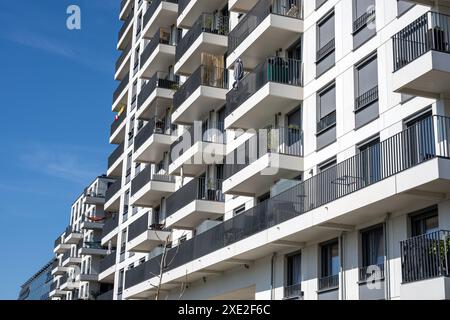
point(55, 89)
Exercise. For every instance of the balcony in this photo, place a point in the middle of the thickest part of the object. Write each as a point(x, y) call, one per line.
point(91, 223)
point(123, 63)
point(264, 159)
point(115, 161)
point(159, 13)
point(107, 268)
point(205, 90)
point(159, 54)
point(199, 200)
point(156, 95)
point(69, 260)
point(197, 148)
point(72, 236)
point(55, 291)
point(120, 95)
point(60, 246)
point(125, 8)
point(293, 292)
point(94, 198)
point(109, 232)
point(272, 87)
point(241, 6)
point(153, 141)
point(112, 199)
point(208, 34)
point(444, 3)
point(190, 10)
point(425, 266)
point(58, 270)
point(125, 32)
point(421, 55)
point(93, 248)
point(264, 24)
point(92, 277)
point(149, 187)
point(117, 132)
point(414, 161)
point(143, 236)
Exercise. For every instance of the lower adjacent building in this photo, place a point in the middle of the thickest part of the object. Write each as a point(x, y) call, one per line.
point(38, 286)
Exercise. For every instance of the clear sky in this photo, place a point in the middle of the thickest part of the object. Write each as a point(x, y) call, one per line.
point(56, 89)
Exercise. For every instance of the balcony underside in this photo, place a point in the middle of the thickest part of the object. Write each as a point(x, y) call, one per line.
point(111, 236)
point(206, 42)
point(94, 200)
point(93, 252)
point(278, 31)
point(194, 9)
point(123, 68)
point(150, 195)
point(125, 10)
point(59, 271)
point(416, 188)
point(118, 135)
point(61, 248)
point(113, 205)
point(72, 261)
point(88, 277)
point(194, 213)
point(271, 99)
point(430, 289)
point(125, 38)
point(107, 276)
point(73, 238)
point(152, 151)
point(193, 159)
point(89, 225)
point(427, 76)
point(165, 15)
point(241, 5)
point(116, 169)
point(199, 104)
point(160, 59)
point(58, 293)
point(148, 240)
point(262, 174)
point(160, 99)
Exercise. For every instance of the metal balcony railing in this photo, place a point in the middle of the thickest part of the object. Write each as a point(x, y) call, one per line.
point(125, 25)
point(123, 84)
point(152, 9)
point(329, 282)
point(162, 36)
point(293, 291)
point(257, 14)
point(153, 126)
point(326, 122)
point(122, 57)
point(366, 99)
point(107, 262)
point(115, 155)
point(110, 225)
point(208, 23)
point(288, 141)
point(147, 175)
point(428, 139)
point(273, 69)
point(117, 122)
point(363, 20)
point(372, 272)
point(158, 80)
point(209, 76)
point(325, 50)
point(430, 32)
point(426, 256)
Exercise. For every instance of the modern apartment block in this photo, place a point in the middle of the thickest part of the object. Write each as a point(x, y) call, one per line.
point(278, 149)
point(78, 250)
point(38, 286)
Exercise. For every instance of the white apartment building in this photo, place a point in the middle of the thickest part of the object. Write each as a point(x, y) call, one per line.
point(280, 149)
point(79, 251)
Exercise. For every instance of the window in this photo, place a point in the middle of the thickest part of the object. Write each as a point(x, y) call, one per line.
point(425, 222)
point(420, 141)
point(329, 273)
point(325, 37)
point(238, 210)
point(366, 82)
point(326, 165)
point(326, 108)
point(182, 239)
point(293, 271)
point(372, 251)
point(319, 3)
point(364, 11)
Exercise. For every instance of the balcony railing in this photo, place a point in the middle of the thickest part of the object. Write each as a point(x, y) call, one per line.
point(106, 296)
point(182, 4)
point(326, 122)
point(113, 189)
point(65, 256)
point(141, 225)
point(153, 126)
point(330, 282)
point(123, 84)
point(122, 57)
point(325, 50)
point(426, 256)
point(207, 22)
point(152, 9)
point(54, 286)
point(363, 20)
point(418, 144)
point(274, 69)
point(58, 241)
point(209, 76)
point(430, 32)
point(147, 175)
point(162, 36)
point(293, 291)
point(287, 141)
point(372, 272)
point(257, 14)
point(125, 25)
point(55, 264)
point(159, 80)
point(117, 122)
point(110, 225)
point(214, 134)
point(196, 189)
point(122, 4)
point(366, 99)
point(107, 262)
point(115, 155)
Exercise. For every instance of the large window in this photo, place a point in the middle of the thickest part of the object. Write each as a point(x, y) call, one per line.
point(425, 222)
point(372, 250)
point(369, 162)
point(326, 108)
point(366, 80)
point(293, 276)
point(329, 273)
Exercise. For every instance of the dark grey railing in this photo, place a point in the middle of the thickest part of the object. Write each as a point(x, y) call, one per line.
point(274, 69)
point(209, 76)
point(153, 44)
point(418, 144)
point(117, 122)
point(257, 14)
point(152, 9)
point(110, 225)
point(141, 225)
point(426, 256)
point(372, 272)
point(429, 32)
point(122, 4)
point(145, 176)
point(326, 122)
point(366, 99)
point(123, 84)
point(293, 291)
point(106, 296)
point(54, 286)
point(329, 282)
point(125, 25)
point(113, 189)
point(363, 20)
point(158, 80)
point(58, 241)
point(65, 256)
point(207, 22)
point(196, 189)
point(122, 57)
point(325, 50)
point(115, 155)
point(153, 126)
point(55, 264)
point(288, 141)
point(107, 262)
point(182, 4)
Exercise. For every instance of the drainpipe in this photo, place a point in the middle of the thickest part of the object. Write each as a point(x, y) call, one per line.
point(387, 275)
point(272, 277)
point(342, 263)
